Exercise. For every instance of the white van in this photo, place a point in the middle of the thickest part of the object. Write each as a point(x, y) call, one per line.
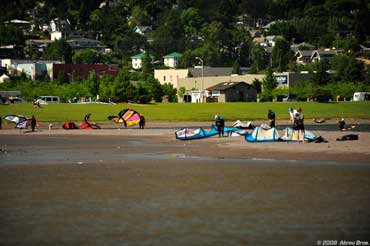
point(361, 96)
point(47, 99)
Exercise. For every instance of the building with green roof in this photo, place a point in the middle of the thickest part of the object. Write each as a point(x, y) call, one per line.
point(137, 60)
point(172, 60)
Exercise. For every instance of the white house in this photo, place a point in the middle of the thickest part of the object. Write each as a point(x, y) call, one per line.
point(142, 30)
point(327, 54)
point(172, 60)
point(137, 60)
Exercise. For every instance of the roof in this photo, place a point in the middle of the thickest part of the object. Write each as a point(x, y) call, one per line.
point(173, 54)
point(211, 71)
point(17, 22)
point(225, 85)
point(304, 52)
point(140, 56)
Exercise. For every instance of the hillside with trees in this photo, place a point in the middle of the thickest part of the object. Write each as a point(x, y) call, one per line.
point(219, 31)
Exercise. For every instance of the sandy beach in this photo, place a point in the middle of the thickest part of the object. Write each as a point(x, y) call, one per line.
point(162, 133)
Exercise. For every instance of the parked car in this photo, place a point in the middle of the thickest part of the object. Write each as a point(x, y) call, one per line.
point(47, 99)
point(290, 98)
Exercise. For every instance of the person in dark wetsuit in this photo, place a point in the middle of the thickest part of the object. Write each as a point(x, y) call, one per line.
point(33, 123)
point(271, 117)
point(220, 124)
point(142, 122)
point(298, 123)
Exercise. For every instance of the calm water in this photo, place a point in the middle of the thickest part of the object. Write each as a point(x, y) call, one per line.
point(66, 191)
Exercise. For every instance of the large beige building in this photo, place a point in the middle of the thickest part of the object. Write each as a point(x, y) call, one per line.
point(170, 76)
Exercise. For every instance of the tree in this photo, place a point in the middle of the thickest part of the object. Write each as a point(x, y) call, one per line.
point(123, 89)
point(171, 92)
point(169, 36)
point(191, 21)
point(59, 50)
point(105, 88)
point(268, 84)
point(236, 68)
point(259, 58)
point(281, 55)
point(147, 65)
point(92, 82)
point(10, 35)
point(142, 93)
point(181, 92)
point(319, 72)
point(155, 89)
point(257, 85)
point(87, 56)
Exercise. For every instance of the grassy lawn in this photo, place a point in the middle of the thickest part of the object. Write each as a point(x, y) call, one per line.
point(190, 112)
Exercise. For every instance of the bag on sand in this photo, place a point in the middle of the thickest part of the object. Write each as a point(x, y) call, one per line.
point(318, 139)
point(348, 137)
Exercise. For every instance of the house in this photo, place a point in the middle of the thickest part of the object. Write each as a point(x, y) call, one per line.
point(86, 43)
point(137, 60)
point(231, 92)
point(56, 35)
point(303, 56)
point(21, 24)
point(307, 46)
point(37, 45)
point(172, 60)
point(142, 30)
point(270, 41)
point(81, 71)
point(34, 69)
point(268, 25)
point(59, 25)
point(364, 49)
point(321, 55)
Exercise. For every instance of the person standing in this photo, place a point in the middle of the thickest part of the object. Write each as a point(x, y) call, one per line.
point(298, 123)
point(271, 117)
point(33, 123)
point(220, 124)
point(142, 122)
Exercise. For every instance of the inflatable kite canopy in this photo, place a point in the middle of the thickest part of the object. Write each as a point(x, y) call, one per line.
point(129, 117)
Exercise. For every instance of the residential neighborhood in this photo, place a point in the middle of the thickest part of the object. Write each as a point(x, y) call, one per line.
point(42, 49)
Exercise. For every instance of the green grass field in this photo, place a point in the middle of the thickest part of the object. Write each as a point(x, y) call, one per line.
point(189, 112)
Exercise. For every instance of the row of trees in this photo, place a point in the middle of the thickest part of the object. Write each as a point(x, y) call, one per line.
point(119, 89)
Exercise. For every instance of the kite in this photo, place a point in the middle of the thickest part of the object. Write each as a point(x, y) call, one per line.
point(20, 121)
point(129, 117)
point(198, 133)
point(15, 118)
point(260, 134)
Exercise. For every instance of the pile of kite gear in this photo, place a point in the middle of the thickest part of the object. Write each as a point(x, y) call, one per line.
point(89, 125)
point(243, 125)
point(20, 121)
point(265, 133)
point(69, 126)
point(128, 117)
point(198, 133)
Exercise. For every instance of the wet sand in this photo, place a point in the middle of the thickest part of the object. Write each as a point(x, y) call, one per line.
point(144, 187)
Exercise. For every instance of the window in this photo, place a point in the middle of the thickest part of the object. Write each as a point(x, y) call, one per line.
point(164, 78)
point(170, 77)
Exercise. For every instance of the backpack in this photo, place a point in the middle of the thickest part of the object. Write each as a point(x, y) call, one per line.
point(348, 137)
